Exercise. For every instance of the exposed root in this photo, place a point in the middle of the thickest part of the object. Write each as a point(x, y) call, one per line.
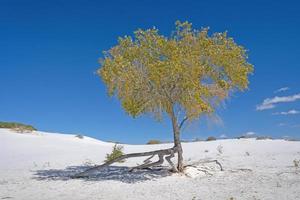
point(206, 161)
point(148, 164)
point(168, 159)
point(200, 167)
point(148, 160)
point(164, 153)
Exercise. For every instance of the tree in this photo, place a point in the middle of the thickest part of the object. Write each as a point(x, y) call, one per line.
point(185, 75)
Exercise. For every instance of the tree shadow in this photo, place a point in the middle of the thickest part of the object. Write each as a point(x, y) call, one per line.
point(116, 173)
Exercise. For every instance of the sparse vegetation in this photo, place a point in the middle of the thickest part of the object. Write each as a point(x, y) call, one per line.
point(154, 142)
point(296, 163)
point(292, 139)
point(198, 140)
point(264, 138)
point(220, 149)
point(79, 136)
point(18, 127)
point(211, 138)
point(246, 136)
point(117, 151)
point(113, 141)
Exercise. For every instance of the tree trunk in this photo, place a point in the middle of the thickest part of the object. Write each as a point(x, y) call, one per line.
point(177, 142)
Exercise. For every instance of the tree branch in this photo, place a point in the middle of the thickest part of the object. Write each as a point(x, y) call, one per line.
point(182, 122)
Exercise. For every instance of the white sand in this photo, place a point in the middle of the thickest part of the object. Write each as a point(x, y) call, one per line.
point(37, 166)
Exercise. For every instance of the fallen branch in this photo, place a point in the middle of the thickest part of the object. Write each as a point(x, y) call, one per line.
point(169, 153)
point(200, 169)
point(206, 161)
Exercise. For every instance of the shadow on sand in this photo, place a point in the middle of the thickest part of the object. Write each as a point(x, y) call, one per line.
point(115, 173)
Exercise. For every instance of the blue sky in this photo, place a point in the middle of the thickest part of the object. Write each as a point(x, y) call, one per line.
point(49, 52)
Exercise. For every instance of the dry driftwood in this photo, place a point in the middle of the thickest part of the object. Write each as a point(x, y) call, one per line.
point(166, 154)
point(206, 161)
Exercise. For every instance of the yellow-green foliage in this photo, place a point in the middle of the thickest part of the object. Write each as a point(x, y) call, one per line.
point(117, 151)
point(17, 126)
point(191, 69)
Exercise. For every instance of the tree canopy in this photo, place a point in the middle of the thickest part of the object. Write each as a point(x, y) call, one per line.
point(191, 70)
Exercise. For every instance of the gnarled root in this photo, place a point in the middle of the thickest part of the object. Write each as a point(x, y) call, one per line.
point(162, 154)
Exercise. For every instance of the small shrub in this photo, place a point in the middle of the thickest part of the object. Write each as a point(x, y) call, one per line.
point(292, 139)
point(296, 163)
point(117, 151)
point(79, 136)
point(198, 140)
point(246, 136)
point(186, 141)
point(220, 149)
point(211, 138)
point(264, 138)
point(154, 142)
point(17, 127)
